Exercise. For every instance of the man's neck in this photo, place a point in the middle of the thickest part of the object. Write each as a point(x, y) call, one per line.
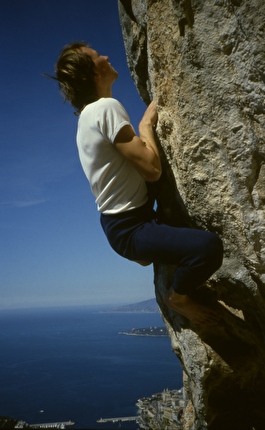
point(104, 91)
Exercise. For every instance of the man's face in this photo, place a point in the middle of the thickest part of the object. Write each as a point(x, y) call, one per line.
point(102, 64)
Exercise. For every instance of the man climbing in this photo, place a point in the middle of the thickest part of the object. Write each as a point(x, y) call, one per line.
point(118, 163)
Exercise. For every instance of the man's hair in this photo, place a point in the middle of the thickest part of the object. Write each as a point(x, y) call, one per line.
point(75, 74)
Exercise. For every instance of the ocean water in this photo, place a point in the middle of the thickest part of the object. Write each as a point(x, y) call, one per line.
point(62, 364)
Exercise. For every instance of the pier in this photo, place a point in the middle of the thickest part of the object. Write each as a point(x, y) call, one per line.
point(57, 425)
point(117, 419)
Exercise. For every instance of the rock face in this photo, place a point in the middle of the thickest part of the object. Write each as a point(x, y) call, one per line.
point(203, 61)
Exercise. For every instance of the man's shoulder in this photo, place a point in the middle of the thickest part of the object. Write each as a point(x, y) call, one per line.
point(107, 102)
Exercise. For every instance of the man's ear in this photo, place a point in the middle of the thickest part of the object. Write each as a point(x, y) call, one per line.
point(97, 77)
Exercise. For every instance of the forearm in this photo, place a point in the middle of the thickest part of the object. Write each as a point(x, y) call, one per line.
point(146, 134)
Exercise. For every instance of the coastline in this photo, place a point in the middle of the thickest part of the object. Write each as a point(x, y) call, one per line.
point(147, 332)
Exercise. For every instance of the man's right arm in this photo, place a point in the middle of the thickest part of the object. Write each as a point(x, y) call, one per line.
point(141, 151)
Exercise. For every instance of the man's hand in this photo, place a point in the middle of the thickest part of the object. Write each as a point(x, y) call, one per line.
point(150, 116)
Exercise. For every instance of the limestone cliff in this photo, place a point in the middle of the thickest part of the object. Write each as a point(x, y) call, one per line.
point(203, 61)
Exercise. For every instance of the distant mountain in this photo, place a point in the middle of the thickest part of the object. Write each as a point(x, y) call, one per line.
point(147, 306)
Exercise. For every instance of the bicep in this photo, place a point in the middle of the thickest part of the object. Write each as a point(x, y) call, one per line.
point(128, 144)
point(136, 152)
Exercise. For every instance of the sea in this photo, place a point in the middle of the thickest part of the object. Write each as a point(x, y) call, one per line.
point(72, 363)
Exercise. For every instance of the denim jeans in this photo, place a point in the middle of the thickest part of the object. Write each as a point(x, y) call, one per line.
point(136, 235)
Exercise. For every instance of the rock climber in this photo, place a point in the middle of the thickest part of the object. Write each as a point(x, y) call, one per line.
point(118, 164)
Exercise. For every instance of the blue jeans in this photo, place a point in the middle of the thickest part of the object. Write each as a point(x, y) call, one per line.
point(136, 235)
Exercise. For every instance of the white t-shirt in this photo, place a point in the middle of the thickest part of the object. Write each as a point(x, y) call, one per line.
point(115, 183)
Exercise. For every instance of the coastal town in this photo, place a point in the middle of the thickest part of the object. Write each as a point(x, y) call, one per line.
point(160, 411)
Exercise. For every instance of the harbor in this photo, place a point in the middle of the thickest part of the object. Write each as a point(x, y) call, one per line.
point(117, 419)
point(55, 425)
point(161, 410)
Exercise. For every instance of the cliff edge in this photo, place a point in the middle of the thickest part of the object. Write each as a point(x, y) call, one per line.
point(203, 61)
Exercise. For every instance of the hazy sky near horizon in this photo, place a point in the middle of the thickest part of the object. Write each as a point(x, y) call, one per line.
point(53, 251)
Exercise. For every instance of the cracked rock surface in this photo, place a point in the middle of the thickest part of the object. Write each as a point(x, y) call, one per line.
point(203, 61)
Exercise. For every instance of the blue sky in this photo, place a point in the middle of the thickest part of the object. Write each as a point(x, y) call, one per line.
point(53, 251)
